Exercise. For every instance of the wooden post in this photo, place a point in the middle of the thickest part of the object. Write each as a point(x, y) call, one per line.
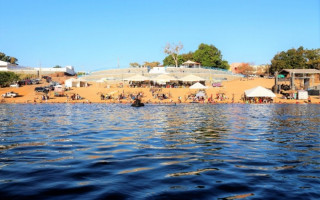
point(276, 82)
point(292, 82)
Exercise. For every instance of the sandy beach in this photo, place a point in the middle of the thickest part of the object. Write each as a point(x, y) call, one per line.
point(92, 93)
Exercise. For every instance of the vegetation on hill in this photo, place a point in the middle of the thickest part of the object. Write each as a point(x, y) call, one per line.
point(206, 55)
point(7, 78)
point(9, 59)
point(146, 64)
point(296, 59)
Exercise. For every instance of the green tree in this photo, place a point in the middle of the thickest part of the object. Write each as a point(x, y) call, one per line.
point(7, 78)
point(210, 56)
point(4, 57)
point(13, 60)
point(168, 61)
point(296, 59)
point(57, 66)
point(313, 58)
point(151, 64)
point(134, 64)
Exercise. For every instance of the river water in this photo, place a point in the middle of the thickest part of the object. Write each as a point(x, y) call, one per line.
point(98, 151)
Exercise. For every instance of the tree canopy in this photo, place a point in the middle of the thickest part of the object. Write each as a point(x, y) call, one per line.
point(7, 78)
point(135, 64)
point(181, 59)
point(9, 59)
point(245, 69)
point(296, 59)
point(151, 64)
point(206, 55)
point(210, 56)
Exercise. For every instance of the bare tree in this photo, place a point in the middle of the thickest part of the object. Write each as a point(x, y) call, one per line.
point(173, 50)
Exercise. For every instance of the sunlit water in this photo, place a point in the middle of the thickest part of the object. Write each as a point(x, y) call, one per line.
point(99, 151)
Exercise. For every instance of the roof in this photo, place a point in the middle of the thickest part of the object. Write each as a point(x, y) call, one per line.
point(259, 92)
point(190, 62)
point(191, 78)
point(302, 71)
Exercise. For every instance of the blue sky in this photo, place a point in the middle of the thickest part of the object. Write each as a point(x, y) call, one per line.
point(95, 34)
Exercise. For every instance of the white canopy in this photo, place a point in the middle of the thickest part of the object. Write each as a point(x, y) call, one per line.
point(137, 77)
point(191, 78)
point(259, 92)
point(197, 85)
point(163, 78)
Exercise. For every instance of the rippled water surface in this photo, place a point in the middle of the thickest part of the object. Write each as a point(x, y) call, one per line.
point(102, 151)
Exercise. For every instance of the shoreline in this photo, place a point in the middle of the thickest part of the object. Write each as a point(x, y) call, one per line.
point(231, 91)
point(163, 103)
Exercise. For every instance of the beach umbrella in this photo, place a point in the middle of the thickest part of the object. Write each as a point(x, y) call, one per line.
point(164, 78)
point(137, 77)
point(191, 78)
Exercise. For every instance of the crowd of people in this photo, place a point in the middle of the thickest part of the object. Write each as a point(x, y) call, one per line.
point(258, 100)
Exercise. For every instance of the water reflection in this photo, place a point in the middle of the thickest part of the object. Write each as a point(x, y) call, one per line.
point(217, 151)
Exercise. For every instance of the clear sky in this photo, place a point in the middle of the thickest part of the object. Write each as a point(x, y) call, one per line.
point(95, 34)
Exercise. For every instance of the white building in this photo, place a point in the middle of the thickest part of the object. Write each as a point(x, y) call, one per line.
point(66, 69)
point(3, 66)
point(158, 70)
point(72, 82)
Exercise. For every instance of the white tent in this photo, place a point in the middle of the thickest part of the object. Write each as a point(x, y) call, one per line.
point(259, 92)
point(137, 78)
point(191, 78)
point(73, 82)
point(198, 85)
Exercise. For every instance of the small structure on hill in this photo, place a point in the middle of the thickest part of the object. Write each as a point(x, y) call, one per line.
point(158, 70)
point(191, 64)
point(67, 69)
point(3, 66)
point(73, 82)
